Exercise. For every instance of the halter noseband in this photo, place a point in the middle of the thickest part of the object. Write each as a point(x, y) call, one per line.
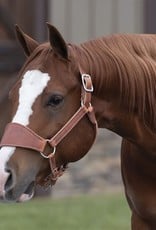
point(21, 136)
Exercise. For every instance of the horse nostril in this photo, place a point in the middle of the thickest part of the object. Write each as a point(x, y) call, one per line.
point(10, 181)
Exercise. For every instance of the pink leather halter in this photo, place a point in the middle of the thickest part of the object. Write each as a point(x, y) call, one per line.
point(21, 136)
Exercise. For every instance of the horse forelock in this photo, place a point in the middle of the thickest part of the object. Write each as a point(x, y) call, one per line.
point(126, 63)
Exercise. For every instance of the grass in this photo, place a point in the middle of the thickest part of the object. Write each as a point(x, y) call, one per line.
point(108, 212)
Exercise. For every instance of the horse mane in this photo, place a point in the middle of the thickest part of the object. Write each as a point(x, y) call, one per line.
point(127, 63)
point(124, 63)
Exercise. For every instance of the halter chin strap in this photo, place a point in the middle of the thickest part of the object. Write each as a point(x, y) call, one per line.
point(21, 136)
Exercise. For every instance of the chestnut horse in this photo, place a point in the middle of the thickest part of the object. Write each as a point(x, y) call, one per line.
point(63, 92)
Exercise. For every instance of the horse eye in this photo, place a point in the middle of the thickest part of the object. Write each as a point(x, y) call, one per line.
point(55, 100)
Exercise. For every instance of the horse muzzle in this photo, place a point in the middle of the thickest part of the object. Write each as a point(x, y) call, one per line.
point(12, 190)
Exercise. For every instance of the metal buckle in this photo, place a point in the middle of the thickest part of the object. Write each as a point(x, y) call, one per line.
point(50, 155)
point(84, 76)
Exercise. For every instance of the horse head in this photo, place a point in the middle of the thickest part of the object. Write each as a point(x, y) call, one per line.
point(45, 97)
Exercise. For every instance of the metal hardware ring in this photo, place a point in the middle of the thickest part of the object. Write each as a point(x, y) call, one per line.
point(50, 155)
point(83, 76)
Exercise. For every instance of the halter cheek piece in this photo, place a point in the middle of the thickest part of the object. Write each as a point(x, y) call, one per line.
point(21, 136)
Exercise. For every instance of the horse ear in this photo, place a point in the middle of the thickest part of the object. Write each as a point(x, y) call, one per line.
point(27, 43)
point(57, 42)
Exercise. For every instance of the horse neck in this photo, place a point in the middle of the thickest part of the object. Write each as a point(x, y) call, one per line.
point(116, 99)
point(96, 60)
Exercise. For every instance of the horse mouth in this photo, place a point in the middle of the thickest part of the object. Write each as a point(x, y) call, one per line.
point(14, 196)
point(28, 194)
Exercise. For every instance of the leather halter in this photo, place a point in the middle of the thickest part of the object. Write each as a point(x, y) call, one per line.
point(18, 135)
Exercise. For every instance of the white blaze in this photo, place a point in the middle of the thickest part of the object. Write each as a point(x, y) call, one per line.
point(33, 84)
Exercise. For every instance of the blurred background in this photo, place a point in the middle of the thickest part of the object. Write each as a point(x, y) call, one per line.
point(78, 21)
point(91, 190)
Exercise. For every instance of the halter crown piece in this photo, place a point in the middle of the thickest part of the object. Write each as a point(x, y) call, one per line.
point(21, 136)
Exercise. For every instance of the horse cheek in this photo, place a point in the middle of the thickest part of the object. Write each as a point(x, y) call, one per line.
point(79, 142)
